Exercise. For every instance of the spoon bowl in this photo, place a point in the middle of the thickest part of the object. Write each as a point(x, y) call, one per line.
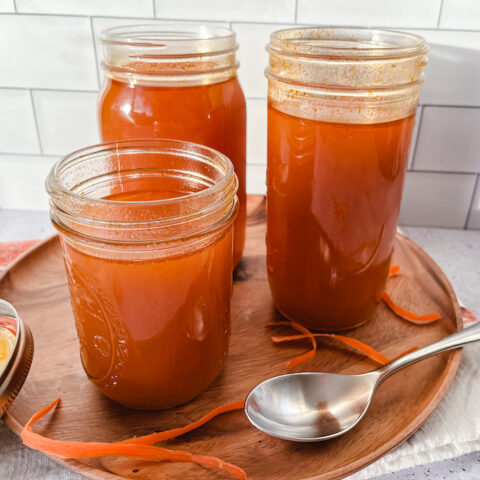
point(306, 407)
point(316, 406)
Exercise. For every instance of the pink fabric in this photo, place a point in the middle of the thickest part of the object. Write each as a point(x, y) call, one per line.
point(9, 251)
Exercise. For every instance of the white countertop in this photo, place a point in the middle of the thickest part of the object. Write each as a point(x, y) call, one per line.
point(456, 251)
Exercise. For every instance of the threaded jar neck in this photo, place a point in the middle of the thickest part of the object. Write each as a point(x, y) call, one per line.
point(354, 75)
point(197, 185)
point(169, 55)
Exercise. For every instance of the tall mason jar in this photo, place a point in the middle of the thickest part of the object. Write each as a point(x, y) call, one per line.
point(180, 82)
point(341, 111)
point(146, 232)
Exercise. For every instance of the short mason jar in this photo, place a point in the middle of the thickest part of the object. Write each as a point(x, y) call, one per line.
point(180, 82)
point(341, 111)
point(146, 233)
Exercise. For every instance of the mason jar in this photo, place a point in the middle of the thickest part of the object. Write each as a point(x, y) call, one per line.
point(341, 111)
point(179, 82)
point(146, 233)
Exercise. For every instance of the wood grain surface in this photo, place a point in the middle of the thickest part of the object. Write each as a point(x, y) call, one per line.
point(36, 284)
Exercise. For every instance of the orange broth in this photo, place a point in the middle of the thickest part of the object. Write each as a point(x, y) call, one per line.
point(213, 115)
point(334, 193)
point(154, 333)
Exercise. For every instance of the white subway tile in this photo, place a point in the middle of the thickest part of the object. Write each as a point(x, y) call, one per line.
point(257, 132)
point(22, 181)
point(460, 14)
point(449, 140)
point(18, 133)
point(385, 13)
point(413, 143)
point(41, 51)
point(66, 120)
point(436, 199)
point(117, 8)
point(102, 23)
point(7, 6)
point(474, 216)
point(252, 39)
point(240, 11)
point(452, 76)
point(256, 179)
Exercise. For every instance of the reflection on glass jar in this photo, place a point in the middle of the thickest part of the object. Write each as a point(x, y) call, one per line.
point(341, 111)
point(177, 82)
point(146, 232)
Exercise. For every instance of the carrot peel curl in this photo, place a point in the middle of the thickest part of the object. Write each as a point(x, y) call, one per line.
point(409, 316)
point(140, 447)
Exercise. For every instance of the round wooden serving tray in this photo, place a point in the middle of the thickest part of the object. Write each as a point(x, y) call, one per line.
point(36, 284)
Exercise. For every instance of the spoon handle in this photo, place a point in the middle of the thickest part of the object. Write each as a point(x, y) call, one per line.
point(467, 335)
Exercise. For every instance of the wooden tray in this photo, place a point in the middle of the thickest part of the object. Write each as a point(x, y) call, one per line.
point(36, 284)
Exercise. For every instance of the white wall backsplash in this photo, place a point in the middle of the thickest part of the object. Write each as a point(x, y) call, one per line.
point(256, 122)
point(460, 14)
point(43, 51)
point(116, 8)
point(18, 132)
point(7, 6)
point(50, 76)
point(67, 121)
point(231, 10)
point(22, 181)
point(449, 140)
point(474, 217)
point(437, 199)
point(385, 13)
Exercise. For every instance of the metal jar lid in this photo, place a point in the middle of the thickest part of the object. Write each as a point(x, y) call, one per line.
point(16, 368)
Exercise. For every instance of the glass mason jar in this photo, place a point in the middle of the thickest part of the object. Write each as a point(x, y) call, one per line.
point(177, 82)
point(341, 111)
point(146, 234)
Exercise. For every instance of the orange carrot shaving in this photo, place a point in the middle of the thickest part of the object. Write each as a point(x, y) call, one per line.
point(176, 432)
point(367, 350)
point(299, 328)
point(409, 350)
point(70, 449)
point(394, 269)
point(362, 347)
point(409, 316)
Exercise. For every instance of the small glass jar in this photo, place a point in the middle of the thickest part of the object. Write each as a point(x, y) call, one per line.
point(179, 82)
point(146, 233)
point(341, 111)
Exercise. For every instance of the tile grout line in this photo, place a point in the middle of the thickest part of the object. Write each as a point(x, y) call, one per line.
point(440, 13)
point(43, 89)
point(417, 138)
point(253, 22)
point(95, 53)
point(295, 13)
point(35, 118)
point(26, 154)
point(470, 207)
point(15, 6)
point(154, 9)
point(445, 172)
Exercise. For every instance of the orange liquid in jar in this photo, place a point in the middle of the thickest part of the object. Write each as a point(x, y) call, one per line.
point(153, 333)
point(334, 193)
point(213, 115)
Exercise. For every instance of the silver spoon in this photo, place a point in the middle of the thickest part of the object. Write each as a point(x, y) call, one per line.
point(314, 406)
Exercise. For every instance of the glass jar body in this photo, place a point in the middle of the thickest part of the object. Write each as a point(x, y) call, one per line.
point(337, 157)
point(194, 97)
point(148, 256)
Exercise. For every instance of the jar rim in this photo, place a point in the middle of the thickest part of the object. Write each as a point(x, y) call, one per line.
point(56, 188)
point(344, 41)
point(200, 181)
point(165, 35)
